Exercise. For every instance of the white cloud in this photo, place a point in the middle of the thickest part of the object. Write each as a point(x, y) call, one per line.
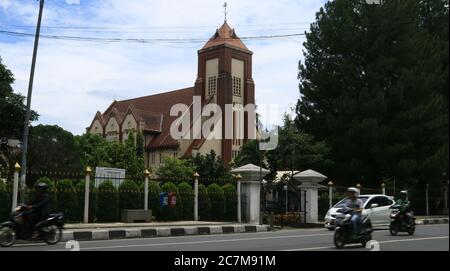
point(74, 80)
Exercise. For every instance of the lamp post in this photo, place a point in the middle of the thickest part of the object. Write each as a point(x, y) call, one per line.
point(359, 186)
point(86, 194)
point(286, 189)
point(383, 188)
point(426, 198)
point(146, 175)
point(330, 193)
point(196, 176)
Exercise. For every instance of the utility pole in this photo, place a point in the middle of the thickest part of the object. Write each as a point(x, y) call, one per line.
point(30, 92)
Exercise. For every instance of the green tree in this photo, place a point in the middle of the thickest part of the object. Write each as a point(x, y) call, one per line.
point(107, 202)
point(51, 148)
point(187, 194)
point(217, 198)
point(204, 203)
point(67, 200)
point(174, 168)
point(230, 202)
point(12, 117)
point(5, 207)
point(250, 154)
point(210, 166)
point(374, 87)
point(129, 196)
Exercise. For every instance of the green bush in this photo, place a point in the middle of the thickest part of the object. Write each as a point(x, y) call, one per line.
point(107, 203)
point(129, 196)
point(168, 213)
point(230, 202)
point(204, 203)
point(52, 194)
point(67, 200)
point(217, 198)
point(187, 194)
point(5, 202)
point(92, 200)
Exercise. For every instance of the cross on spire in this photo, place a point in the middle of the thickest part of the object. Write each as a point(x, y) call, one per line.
point(225, 5)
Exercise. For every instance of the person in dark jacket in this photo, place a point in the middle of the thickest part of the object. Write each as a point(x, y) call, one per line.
point(38, 208)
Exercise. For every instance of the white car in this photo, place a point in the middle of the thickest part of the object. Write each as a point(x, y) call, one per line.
point(377, 206)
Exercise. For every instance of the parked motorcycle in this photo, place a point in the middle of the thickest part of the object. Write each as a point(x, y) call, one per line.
point(344, 229)
point(398, 223)
point(49, 230)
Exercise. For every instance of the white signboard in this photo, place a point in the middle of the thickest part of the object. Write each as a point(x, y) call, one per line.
point(115, 175)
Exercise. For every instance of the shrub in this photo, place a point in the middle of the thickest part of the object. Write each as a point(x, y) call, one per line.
point(204, 203)
point(107, 203)
point(129, 196)
point(67, 200)
point(217, 198)
point(187, 194)
point(52, 194)
point(230, 202)
point(5, 202)
point(172, 214)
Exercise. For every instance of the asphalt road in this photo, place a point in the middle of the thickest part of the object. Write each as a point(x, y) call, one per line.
point(427, 238)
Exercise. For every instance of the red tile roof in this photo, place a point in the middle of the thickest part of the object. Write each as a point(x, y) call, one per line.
point(154, 110)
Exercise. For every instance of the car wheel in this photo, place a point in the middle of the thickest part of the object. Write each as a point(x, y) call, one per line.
point(412, 231)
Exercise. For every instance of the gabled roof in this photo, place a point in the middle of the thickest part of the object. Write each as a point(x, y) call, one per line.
point(225, 35)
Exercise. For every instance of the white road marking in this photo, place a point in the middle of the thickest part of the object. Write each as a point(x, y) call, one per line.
point(380, 242)
point(203, 242)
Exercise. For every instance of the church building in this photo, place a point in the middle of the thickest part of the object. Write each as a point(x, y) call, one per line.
point(224, 78)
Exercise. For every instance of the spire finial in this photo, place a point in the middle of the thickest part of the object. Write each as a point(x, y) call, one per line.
point(225, 5)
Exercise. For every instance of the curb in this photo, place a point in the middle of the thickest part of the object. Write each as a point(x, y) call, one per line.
point(432, 221)
point(130, 233)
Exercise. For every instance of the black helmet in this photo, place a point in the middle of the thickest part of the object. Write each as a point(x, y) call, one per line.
point(42, 187)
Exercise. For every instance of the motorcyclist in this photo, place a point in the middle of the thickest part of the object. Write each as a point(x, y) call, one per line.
point(404, 205)
point(357, 205)
point(37, 210)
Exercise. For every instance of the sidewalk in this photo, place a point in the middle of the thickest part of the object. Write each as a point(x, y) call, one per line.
point(109, 231)
point(422, 220)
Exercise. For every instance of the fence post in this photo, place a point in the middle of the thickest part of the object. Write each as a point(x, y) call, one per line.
point(87, 188)
point(359, 186)
point(15, 186)
point(330, 193)
point(146, 175)
point(383, 188)
point(196, 176)
point(426, 198)
point(239, 208)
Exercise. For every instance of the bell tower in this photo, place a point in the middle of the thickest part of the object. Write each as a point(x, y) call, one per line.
point(225, 78)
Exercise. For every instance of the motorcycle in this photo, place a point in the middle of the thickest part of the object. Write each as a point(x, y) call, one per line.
point(398, 223)
point(49, 230)
point(344, 229)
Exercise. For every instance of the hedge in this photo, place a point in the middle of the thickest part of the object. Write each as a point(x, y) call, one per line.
point(217, 198)
point(230, 202)
point(187, 194)
point(67, 200)
point(107, 203)
point(129, 196)
point(204, 203)
point(176, 213)
point(5, 202)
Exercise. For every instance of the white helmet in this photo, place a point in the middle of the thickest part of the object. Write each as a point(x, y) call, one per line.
point(404, 192)
point(353, 190)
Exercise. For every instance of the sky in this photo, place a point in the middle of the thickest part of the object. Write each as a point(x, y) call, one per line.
point(75, 79)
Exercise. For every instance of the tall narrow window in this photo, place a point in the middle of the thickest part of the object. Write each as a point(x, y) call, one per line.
point(212, 85)
point(237, 86)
